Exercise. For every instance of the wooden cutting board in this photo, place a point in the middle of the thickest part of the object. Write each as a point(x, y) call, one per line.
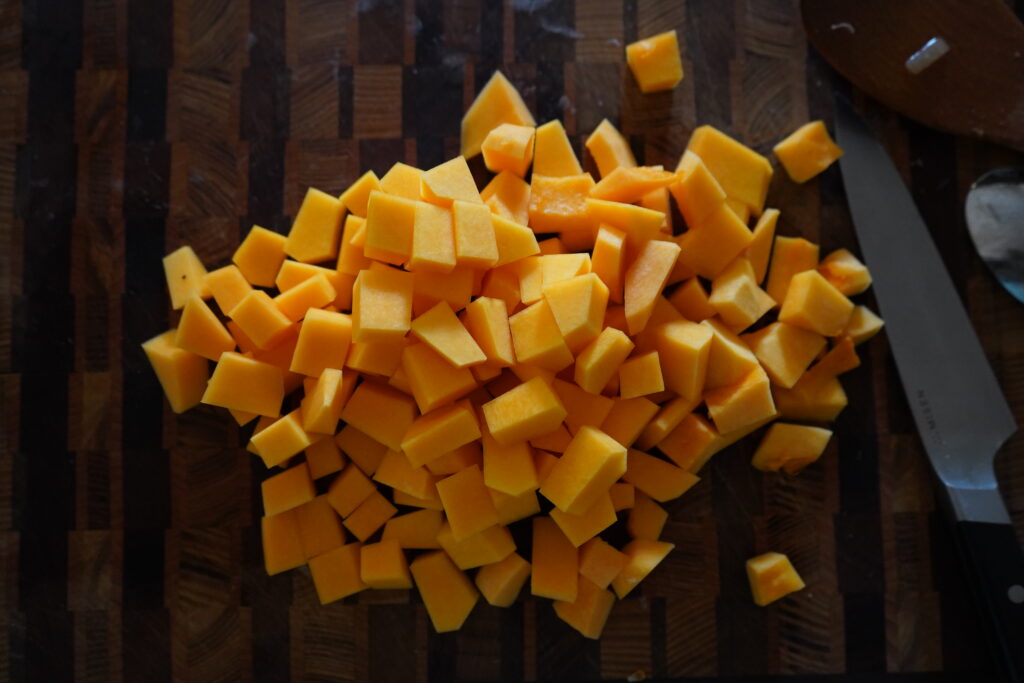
point(128, 550)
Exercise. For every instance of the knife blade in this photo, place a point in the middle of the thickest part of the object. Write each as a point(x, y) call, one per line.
point(958, 407)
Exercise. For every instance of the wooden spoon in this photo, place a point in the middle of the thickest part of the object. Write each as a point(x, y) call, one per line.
point(976, 89)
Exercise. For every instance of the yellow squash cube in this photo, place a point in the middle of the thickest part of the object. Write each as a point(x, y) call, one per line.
point(183, 375)
point(447, 593)
point(390, 222)
point(814, 304)
point(185, 275)
point(530, 410)
point(585, 472)
point(553, 154)
point(241, 383)
point(772, 576)
point(433, 239)
point(316, 228)
point(807, 151)
point(260, 256)
point(501, 582)
point(508, 147)
point(655, 62)
point(324, 339)
point(381, 305)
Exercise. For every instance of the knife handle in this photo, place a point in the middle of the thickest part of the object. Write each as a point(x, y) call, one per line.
point(996, 567)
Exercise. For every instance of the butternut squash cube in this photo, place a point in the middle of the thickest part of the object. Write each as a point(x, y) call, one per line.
point(644, 556)
point(442, 331)
point(537, 339)
point(578, 305)
point(660, 480)
point(448, 182)
point(697, 191)
point(336, 573)
point(630, 185)
point(692, 443)
point(863, 325)
point(486, 320)
point(784, 351)
point(582, 407)
point(685, 350)
point(362, 449)
point(585, 472)
point(324, 457)
point(601, 359)
point(508, 196)
point(582, 527)
point(640, 225)
point(319, 527)
point(349, 490)
point(415, 530)
point(555, 441)
point(501, 582)
point(743, 173)
point(356, 197)
point(531, 280)
point(736, 297)
point(559, 203)
point(641, 375)
point(390, 223)
point(376, 358)
point(228, 286)
point(772, 576)
point(396, 471)
point(713, 244)
point(447, 593)
point(200, 332)
point(369, 516)
point(383, 565)
point(183, 375)
point(260, 256)
point(475, 244)
point(729, 360)
point(508, 147)
point(655, 62)
point(316, 228)
point(790, 255)
point(790, 447)
point(282, 439)
point(282, 549)
point(324, 340)
point(351, 258)
point(242, 383)
point(645, 278)
point(467, 505)
point(508, 468)
point(691, 301)
point(658, 200)
point(514, 508)
point(433, 380)
point(433, 239)
point(185, 275)
point(646, 518)
point(381, 412)
point(743, 404)
point(315, 292)
point(628, 418)
point(381, 305)
point(287, 490)
point(497, 102)
point(491, 545)
point(668, 417)
point(761, 244)
point(402, 180)
point(429, 288)
point(807, 151)
point(609, 148)
point(321, 409)
point(821, 401)
point(261, 320)
point(514, 241)
point(440, 431)
point(527, 411)
point(814, 304)
point(553, 154)
point(845, 272)
point(555, 562)
point(589, 611)
point(609, 259)
point(600, 562)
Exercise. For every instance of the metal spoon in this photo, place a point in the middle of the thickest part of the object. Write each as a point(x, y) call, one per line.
point(995, 219)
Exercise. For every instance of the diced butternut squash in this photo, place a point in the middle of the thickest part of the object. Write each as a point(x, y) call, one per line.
point(508, 196)
point(200, 332)
point(433, 239)
point(396, 471)
point(807, 151)
point(351, 258)
point(324, 457)
point(486, 320)
point(324, 340)
point(761, 244)
point(442, 331)
point(282, 439)
point(491, 545)
point(336, 573)
point(845, 272)
point(537, 340)
point(685, 349)
point(260, 319)
point(628, 418)
point(497, 102)
point(321, 408)
point(772, 577)
point(369, 516)
point(790, 447)
point(609, 259)
point(349, 490)
point(363, 450)
point(433, 380)
point(448, 182)
point(644, 556)
point(589, 611)
point(555, 562)
point(514, 508)
point(383, 565)
point(691, 301)
point(501, 582)
point(402, 180)
point(475, 244)
point(316, 228)
point(415, 530)
point(737, 298)
point(609, 148)
point(578, 305)
point(315, 292)
point(508, 468)
point(356, 197)
point(529, 410)
point(784, 351)
point(644, 280)
point(790, 256)
point(729, 360)
point(508, 147)
point(514, 241)
point(447, 593)
point(660, 480)
point(655, 62)
point(381, 412)
point(440, 431)
point(714, 243)
point(556, 441)
point(585, 472)
point(646, 518)
point(743, 173)
point(228, 286)
point(183, 375)
point(467, 504)
point(390, 223)
point(641, 375)
point(260, 256)
point(381, 305)
point(186, 276)
point(818, 400)
point(287, 490)
point(601, 359)
point(630, 184)
point(553, 154)
point(559, 203)
point(814, 304)
point(428, 288)
point(319, 527)
point(600, 562)
point(640, 225)
point(242, 383)
point(282, 549)
point(740, 405)
point(863, 325)
point(580, 528)
point(582, 407)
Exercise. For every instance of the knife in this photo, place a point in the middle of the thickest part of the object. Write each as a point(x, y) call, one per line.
point(959, 409)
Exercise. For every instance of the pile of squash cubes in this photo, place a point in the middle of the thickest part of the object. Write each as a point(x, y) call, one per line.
point(554, 335)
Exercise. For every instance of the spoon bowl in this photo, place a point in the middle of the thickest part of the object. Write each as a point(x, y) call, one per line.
point(995, 220)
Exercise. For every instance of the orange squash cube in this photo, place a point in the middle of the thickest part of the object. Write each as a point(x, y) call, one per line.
point(200, 332)
point(508, 468)
point(448, 182)
point(383, 565)
point(447, 593)
point(369, 516)
point(814, 304)
point(315, 292)
point(729, 360)
point(601, 359)
point(697, 191)
point(582, 527)
point(713, 244)
point(376, 358)
point(396, 471)
point(582, 408)
point(609, 148)
point(660, 480)
point(644, 556)
point(324, 340)
point(467, 505)
point(640, 376)
point(228, 286)
point(287, 490)
point(645, 279)
point(486, 320)
point(185, 275)
point(609, 259)
point(790, 447)
point(336, 573)
point(630, 185)
point(260, 256)
point(319, 527)
point(772, 576)
point(241, 383)
point(514, 241)
point(501, 582)
point(784, 351)
point(553, 155)
point(655, 62)
point(559, 203)
point(585, 472)
point(668, 417)
point(351, 258)
point(491, 545)
point(381, 412)
point(433, 239)
point(743, 173)
point(282, 549)
point(362, 449)
point(790, 256)
point(807, 151)
point(527, 411)
point(743, 404)
point(475, 244)
point(281, 439)
point(623, 496)
point(578, 305)
point(761, 243)
point(497, 102)
point(508, 147)
point(737, 298)
point(646, 518)
point(508, 196)
point(691, 443)
point(628, 418)
point(843, 270)
point(315, 230)
point(356, 197)
point(555, 562)
point(685, 350)
point(261, 320)
point(183, 375)
point(381, 305)
point(821, 401)
point(440, 431)
point(589, 611)
point(390, 223)
point(514, 508)
point(442, 331)
point(433, 380)
point(415, 530)
point(863, 325)
point(324, 457)
point(402, 180)
point(458, 459)
point(600, 562)
point(321, 409)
